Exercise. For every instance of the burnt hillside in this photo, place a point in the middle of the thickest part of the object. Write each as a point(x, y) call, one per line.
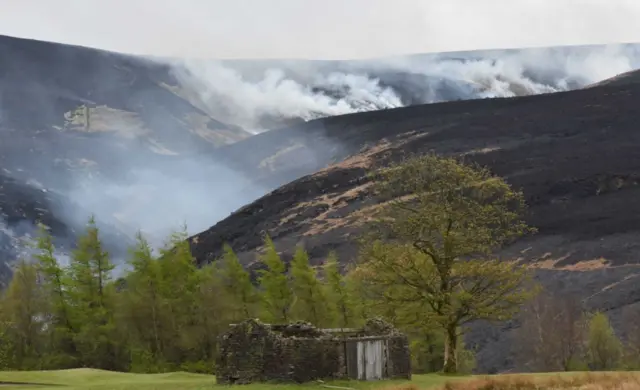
point(574, 154)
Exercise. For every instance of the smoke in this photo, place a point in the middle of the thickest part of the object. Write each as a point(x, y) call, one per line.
point(129, 185)
point(18, 241)
point(196, 192)
point(226, 94)
point(253, 95)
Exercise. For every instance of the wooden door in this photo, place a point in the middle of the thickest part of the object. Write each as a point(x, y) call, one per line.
point(372, 361)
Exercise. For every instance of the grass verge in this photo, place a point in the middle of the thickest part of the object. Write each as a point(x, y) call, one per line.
point(97, 379)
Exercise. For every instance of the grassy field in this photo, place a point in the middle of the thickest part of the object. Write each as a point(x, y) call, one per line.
point(97, 379)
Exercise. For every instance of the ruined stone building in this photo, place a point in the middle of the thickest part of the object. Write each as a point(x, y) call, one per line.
point(256, 352)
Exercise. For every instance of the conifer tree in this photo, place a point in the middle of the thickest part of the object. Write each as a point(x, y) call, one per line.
point(58, 313)
point(310, 303)
point(89, 292)
point(180, 282)
point(143, 302)
point(339, 296)
point(361, 292)
point(214, 315)
point(22, 306)
point(276, 291)
point(237, 288)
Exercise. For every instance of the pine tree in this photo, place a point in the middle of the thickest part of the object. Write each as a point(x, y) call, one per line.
point(22, 306)
point(61, 348)
point(180, 283)
point(215, 313)
point(338, 293)
point(310, 300)
point(142, 301)
point(277, 294)
point(90, 294)
point(361, 292)
point(238, 290)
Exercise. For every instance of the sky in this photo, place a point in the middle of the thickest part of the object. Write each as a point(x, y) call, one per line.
point(319, 29)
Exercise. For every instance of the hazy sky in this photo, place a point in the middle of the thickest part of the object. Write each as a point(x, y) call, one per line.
point(319, 28)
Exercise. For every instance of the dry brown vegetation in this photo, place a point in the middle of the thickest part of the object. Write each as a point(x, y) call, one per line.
point(591, 381)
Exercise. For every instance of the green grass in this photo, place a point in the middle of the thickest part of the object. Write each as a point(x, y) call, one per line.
point(98, 379)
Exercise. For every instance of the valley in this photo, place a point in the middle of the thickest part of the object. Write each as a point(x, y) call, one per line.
point(147, 145)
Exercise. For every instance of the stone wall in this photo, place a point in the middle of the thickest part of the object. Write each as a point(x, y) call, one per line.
point(399, 357)
point(242, 352)
point(255, 352)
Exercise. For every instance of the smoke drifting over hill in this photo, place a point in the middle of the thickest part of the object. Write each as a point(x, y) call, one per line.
point(251, 93)
point(158, 168)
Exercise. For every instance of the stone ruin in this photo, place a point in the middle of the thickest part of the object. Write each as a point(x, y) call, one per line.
point(252, 351)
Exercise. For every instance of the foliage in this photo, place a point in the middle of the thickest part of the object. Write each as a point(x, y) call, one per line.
point(431, 246)
point(603, 346)
point(21, 306)
point(239, 293)
point(466, 359)
point(164, 314)
point(310, 302)
point(274, 282)
point(339, 295)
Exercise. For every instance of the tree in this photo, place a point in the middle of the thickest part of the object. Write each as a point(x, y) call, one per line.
point(432, 244)
point(338, 293)
point(310, 302)
point(631, 329)
point(239, 292)
point(551, 337)
point(142, 302)
point(215, 312)
point(91, 296)
point(277, 295)
point(603, 346)
point(58, 313)
point(22, 306)
point(180, 283)
point(365, 297)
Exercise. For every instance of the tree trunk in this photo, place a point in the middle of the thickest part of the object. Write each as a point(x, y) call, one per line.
point(450, 350)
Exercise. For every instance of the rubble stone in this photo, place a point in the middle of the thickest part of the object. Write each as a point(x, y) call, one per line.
point(252, 351)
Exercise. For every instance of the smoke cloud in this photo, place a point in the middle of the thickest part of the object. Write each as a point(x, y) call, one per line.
point(227, 95)
point(144, 189)
point(252, 95)
point(200, 191)
point(196, 192)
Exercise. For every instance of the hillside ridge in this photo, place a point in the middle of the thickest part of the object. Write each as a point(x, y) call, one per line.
point(574, 154)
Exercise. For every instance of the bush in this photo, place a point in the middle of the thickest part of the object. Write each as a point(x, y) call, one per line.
point(603, 346)
point(145, 363)
point(466, 361)
point(199, 367)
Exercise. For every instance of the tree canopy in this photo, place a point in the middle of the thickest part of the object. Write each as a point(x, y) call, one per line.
point(431, 247)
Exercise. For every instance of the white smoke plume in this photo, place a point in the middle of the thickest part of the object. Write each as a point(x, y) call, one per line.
point(199, 191)
point(246, 96)
point(227, 95)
